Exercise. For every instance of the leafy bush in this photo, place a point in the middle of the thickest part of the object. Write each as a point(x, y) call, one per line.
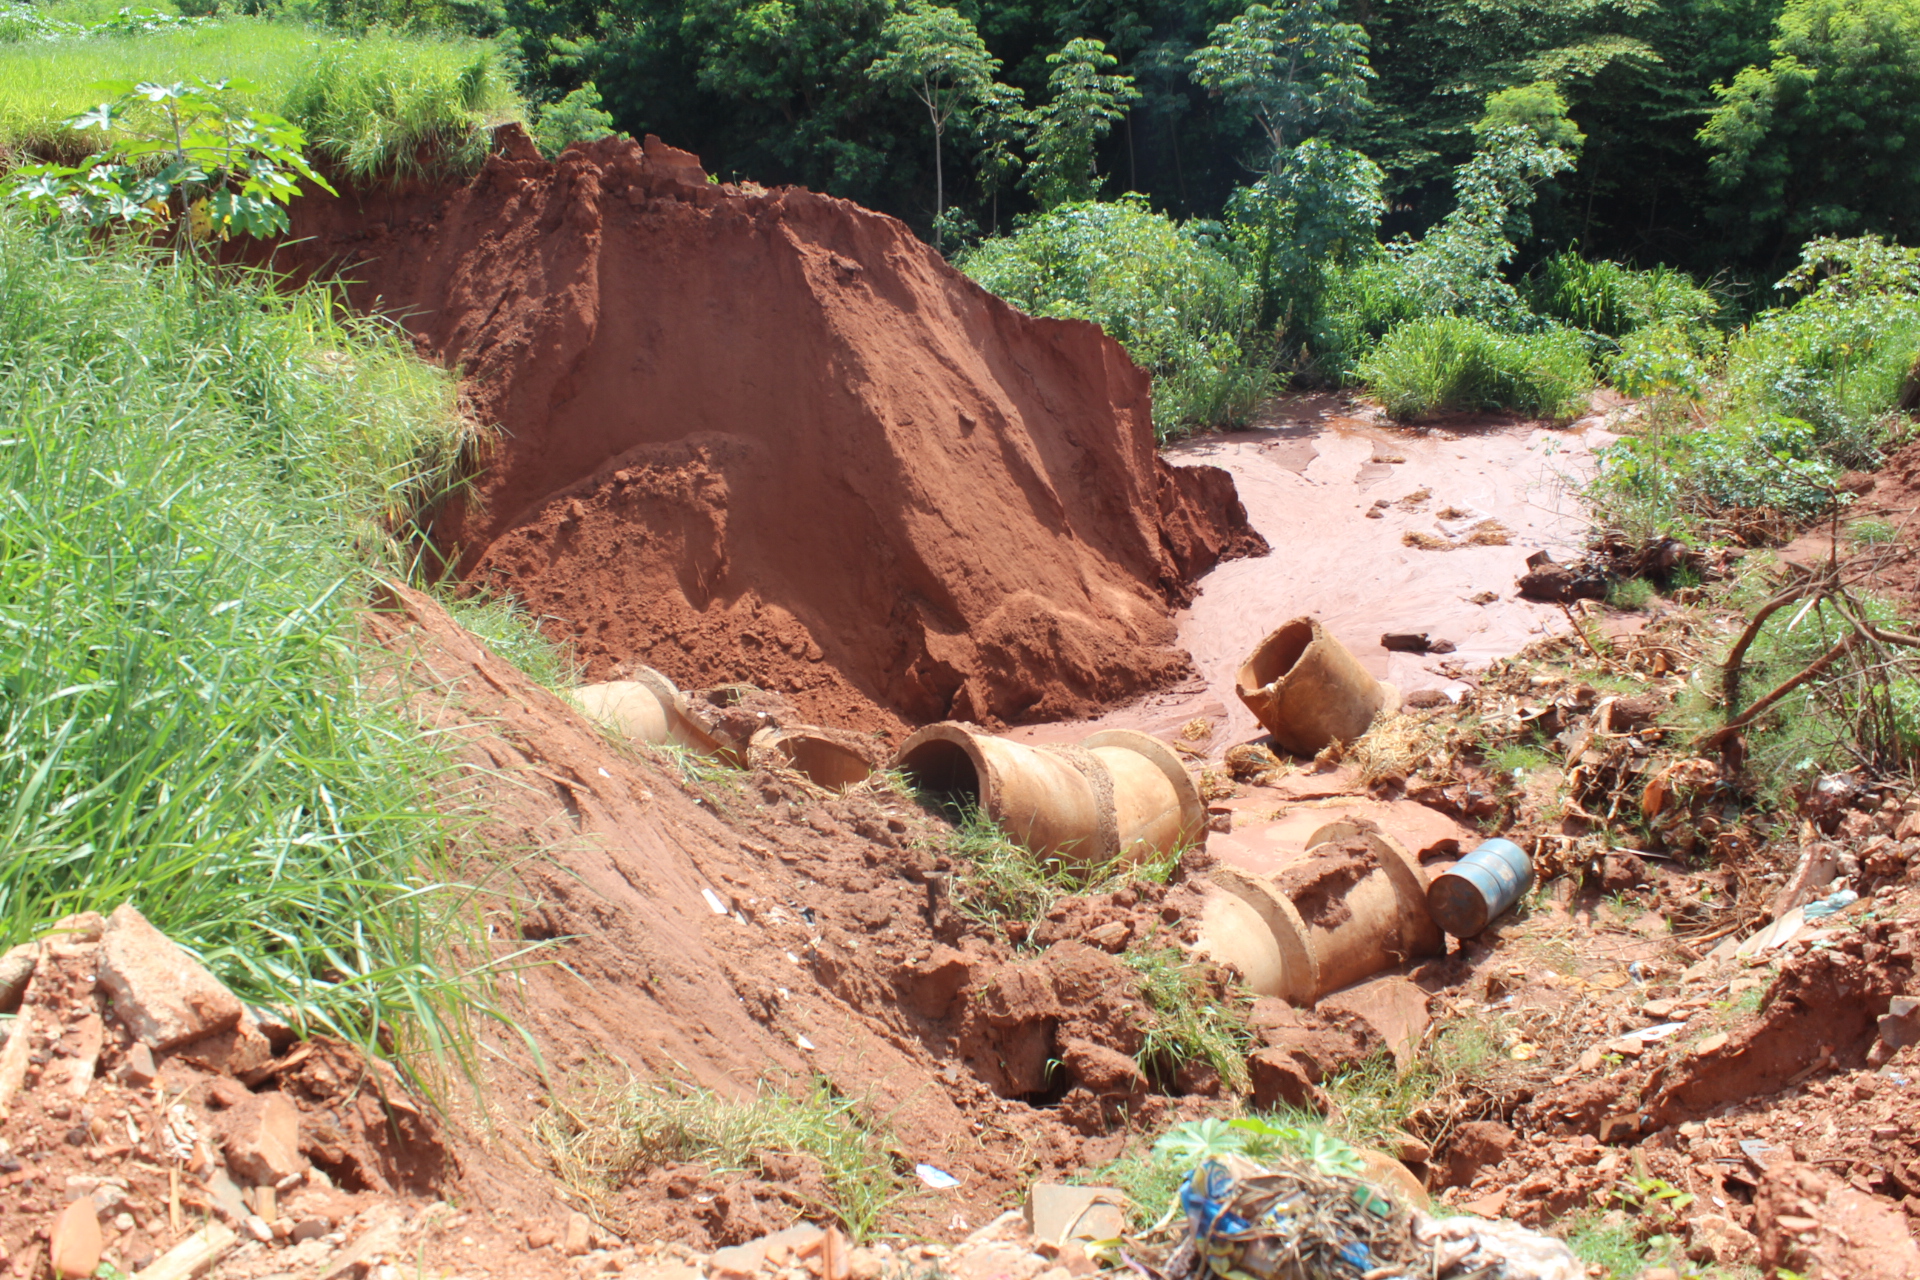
point(1607, 298)
point(195, 470)
point(1840, 357)
point(1177, 306)
point(1457, 268)
point(185, 151)
point(1452, 362)
point(1659, 481)
point(1675, 360)
point(575, 118)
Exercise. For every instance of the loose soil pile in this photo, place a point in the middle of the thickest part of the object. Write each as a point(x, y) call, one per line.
point(769, 436)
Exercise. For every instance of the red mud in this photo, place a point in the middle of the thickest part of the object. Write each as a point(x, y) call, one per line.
point(772, 437)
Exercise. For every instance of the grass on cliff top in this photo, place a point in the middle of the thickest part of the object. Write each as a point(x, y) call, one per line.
point(196, 479)
point(378, 106)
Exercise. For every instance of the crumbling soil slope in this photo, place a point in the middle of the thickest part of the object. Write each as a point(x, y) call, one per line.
point(769, 436)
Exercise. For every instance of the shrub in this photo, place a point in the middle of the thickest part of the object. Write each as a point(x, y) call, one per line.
point(1607, 298)
point(1452, 363)
point(1178, 306)
point(1666, 360)
point(1662, 481)
point(195, 469)
point(1359, 305)
point(575, 118)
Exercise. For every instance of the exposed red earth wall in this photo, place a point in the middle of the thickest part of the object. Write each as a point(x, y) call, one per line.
point(771, 436)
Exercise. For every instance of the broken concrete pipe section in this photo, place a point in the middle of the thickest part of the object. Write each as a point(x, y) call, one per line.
point(1355, 908)
point(1309, 691)
point(1115, 795)
point(650, 709)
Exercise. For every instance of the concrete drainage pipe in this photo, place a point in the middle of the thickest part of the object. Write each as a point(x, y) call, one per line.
point(1324, 924)
point(1307, 690)
point(646, 709)
point(1114, 795)
point(825, 757)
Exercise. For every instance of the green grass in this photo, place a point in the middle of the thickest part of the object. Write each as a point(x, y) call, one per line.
point(1190, 1024)
point(372, 106)
point(1630, 593)
point(600, 1141)
point(1449, 363)
point(1002, 882)
point(196, 479)
point(1611, 1246)
point(1871, 533)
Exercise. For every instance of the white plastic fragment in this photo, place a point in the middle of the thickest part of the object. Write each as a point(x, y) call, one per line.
point(938, 1179)
point(1660, 1032)
point(713, 900)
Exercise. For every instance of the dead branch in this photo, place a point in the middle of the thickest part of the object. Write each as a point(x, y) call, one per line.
point(1720, 736)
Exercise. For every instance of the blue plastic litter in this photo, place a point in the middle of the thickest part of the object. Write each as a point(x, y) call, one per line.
point(1222, 1234)
point(1829, 905)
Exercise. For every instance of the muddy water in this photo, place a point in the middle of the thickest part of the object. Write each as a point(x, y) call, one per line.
point(1309, 471)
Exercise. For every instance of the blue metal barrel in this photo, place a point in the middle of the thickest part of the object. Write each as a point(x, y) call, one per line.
point(1479, 887)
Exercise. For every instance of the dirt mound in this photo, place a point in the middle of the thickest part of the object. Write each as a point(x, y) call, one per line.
point(746, 932)
point(772, 437)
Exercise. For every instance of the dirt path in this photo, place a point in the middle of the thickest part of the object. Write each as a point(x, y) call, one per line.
point(1309, 471)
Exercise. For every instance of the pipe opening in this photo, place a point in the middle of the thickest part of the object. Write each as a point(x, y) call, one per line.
point(943, 770)
point(826, 763)
point(1283, 648)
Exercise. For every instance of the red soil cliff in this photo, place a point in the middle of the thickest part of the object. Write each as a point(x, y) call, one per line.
point(771, 436)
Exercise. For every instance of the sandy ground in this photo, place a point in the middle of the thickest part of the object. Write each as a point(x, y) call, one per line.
point(1309, 470)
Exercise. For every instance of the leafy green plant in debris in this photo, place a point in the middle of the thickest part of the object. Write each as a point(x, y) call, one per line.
point(199, 474)
point(600, 1140)
point(190, 144)
point(578, 117)
point(1190, 1024)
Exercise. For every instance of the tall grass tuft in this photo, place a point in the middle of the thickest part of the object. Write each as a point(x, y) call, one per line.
point(386, 107)
point(1447, 363)
point(195, 475)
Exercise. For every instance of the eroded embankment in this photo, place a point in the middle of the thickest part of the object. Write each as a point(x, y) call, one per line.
point(772, 437)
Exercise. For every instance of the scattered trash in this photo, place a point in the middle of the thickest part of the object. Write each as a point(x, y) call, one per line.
point(803, 1042)
point(1647, 1035)
point(1832, 904)
point(938, 1179)
point(1289, 1219)
point(1476, 890)
point(713, 900)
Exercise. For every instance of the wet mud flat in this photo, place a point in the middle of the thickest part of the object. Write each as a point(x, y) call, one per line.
point(1376, 529)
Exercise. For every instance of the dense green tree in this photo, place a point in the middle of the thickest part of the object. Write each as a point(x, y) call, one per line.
point(1294, 67)
point(934, 54)
point(1824, 139)
point(1084, 100)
